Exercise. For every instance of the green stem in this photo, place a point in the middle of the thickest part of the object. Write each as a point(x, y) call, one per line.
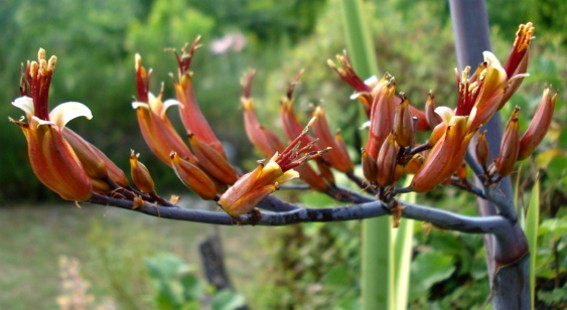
point(377, 279)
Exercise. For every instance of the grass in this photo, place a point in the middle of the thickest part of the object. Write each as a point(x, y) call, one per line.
point(111, 245)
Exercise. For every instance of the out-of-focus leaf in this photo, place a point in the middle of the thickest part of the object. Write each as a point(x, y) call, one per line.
point(227, 300)
point(544, 158)
point(429, 268)
point(337, 276)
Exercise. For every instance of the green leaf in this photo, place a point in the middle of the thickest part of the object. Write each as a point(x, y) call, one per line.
point(337, 277)
point(403, 252)
point(227, 300)
point(429, 268)
point(532, 224)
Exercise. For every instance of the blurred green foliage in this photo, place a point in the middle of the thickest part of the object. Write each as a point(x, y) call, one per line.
point(95, 42)
point(317, 265)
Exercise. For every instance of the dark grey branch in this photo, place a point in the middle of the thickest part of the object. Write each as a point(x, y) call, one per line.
point(297, 214)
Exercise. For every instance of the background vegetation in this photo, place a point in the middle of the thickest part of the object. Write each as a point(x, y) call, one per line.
point(312, 265)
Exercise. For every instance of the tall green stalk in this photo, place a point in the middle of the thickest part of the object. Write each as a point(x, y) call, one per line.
point(377, 279)
point(531, 229)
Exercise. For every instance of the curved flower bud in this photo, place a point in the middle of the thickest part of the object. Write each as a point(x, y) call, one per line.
point(362, 88)
point(369, 168)
point(193, 177)
point(262, 138)
point(381, 116)
point(268, 143)
point(55, 164)
point(445, 157)
point(433, 119)
point(386, 162)
point(212, 162)
point(158, 132)
point(141, 175)
point(509, 147)
point(96, 164)
point(254, 186)
point(191, 116)
point(539, 125)
point(403, 123)
point(481, 149)
point(338, 157)
point(517, 62)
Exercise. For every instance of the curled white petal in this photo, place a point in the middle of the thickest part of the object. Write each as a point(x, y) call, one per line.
point(25, 104)
point(446, 113)
point(67, 111)
point(140, 104)
point(169, 103)
point(491, 59)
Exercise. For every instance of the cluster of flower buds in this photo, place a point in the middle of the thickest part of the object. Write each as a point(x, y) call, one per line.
point(254, 186)
point(77, 170)
point(321, 178)
point(391, 151)
point(60, 158)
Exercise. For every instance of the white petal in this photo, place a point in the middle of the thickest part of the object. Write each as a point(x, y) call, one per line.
point(446, 113)
point(67, 111)
point(287, 176)
point(169, 103)
point(140, 104)
point(25, 104)
point(35, 122)
point(491, 59)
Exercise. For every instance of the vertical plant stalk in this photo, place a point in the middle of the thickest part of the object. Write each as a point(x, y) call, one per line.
point(507, 264)
point(532, 227)
point(403, 243)
point(376, 276)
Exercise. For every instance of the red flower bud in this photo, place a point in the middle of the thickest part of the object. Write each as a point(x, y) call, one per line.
point(141, 175)
point(539, 125)
point(509, 147)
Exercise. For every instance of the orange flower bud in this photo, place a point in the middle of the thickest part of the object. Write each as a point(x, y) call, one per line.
point(445, 157)
point(433, 119)
point(193, 177)
point(403, 123)
point(509, 147)
point(437, 132)
point(254, 186)
point(362, 88)
point(517, 62)
point(191, 116)
point(369, 168)
point(158, 132)
point(96, 164)
point(93, 164)
point(55, 164)
point(413, 165)
point(539, 125)
point(481, 149)
point(386, 162)
point(212, 162)
point(140, 174)
point(381, 117)
point(338, 157)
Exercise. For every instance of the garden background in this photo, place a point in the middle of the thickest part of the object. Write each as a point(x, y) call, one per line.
point(311, 265)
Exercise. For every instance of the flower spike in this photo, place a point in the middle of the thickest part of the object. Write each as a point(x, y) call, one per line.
point(191, 116)
point(52, 158)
